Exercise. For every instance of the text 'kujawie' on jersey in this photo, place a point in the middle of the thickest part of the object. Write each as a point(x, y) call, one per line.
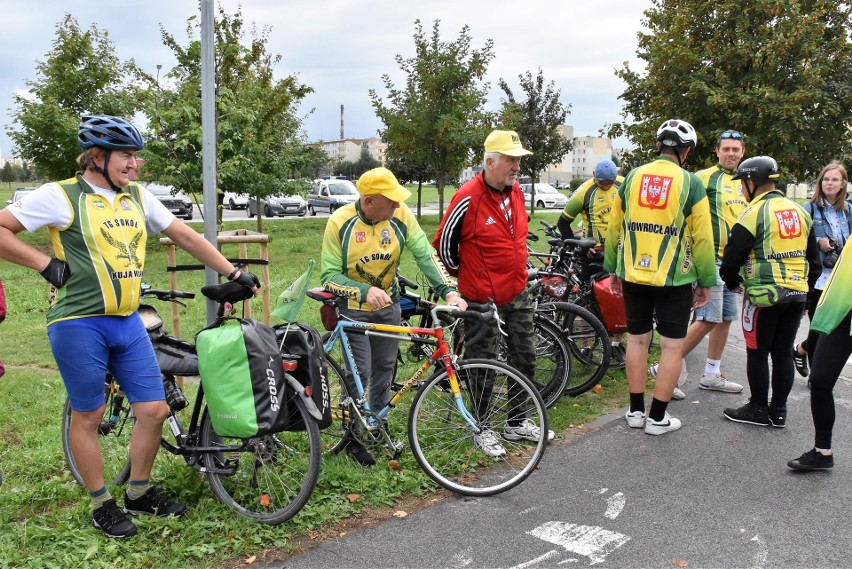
point(659, 230)
point(594, 204)
point(358, 254)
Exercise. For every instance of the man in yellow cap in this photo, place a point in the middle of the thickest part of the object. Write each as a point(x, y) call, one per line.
point(482, 240)
point(361, 251)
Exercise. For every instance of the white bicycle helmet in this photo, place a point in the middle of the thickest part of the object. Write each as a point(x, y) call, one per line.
point(678, 133)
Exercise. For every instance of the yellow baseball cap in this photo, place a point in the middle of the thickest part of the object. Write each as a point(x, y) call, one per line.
point(505, 142)
point(382, 182)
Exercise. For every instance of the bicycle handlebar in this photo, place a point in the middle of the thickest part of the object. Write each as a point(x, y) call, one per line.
point(167, 295)
point(475, 311)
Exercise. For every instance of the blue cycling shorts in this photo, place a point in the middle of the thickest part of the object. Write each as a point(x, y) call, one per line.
point(86, 348)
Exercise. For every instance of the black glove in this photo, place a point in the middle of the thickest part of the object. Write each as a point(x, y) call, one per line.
point(247, 279)
point(57, 272)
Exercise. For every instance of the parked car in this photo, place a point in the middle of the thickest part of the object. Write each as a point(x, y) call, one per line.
point(546, 196)
point(330, 194)
point(233, 200)
point(19, 193)
point(279, 206)
point(176, 201)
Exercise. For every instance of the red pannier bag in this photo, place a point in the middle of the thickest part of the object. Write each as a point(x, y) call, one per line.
point(611, 306)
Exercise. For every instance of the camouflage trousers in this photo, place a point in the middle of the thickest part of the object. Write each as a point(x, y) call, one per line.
point(516, 348)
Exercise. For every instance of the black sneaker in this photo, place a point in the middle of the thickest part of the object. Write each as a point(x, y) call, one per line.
point(801, 362)
point(112, 520)
point(748, 413)
point(618, 357)
point(153, 503)
point(778, 416)
point(359, 453)
point(812, 460)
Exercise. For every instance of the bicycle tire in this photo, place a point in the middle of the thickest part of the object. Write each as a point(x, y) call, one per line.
point(442, 441)
point(336, 435)
point(553, 360)
point(273, 478)
point(113, 434)
point(588, 341)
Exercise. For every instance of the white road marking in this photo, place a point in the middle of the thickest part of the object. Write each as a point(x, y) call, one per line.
point(461, 559)
point(590, 541)
point(531, 562)
point(762, 555)
point(614, 505)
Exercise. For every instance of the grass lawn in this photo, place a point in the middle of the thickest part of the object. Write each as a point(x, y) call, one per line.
point(45, 516)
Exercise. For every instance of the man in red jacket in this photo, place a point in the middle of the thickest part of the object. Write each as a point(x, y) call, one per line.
point(482, 241)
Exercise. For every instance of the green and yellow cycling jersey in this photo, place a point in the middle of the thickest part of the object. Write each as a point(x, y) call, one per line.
point(779, 256)
point(726, 203)
point(594, 204)
point(836, 299)
point(659, 230)
point(105, 246)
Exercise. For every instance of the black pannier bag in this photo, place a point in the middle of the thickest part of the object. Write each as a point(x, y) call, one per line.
point(303, 344)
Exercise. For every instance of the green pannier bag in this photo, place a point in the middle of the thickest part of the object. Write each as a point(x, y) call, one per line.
point(243, 378)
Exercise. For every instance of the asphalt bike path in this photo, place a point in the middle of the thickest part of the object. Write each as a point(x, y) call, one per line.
point(714, 494)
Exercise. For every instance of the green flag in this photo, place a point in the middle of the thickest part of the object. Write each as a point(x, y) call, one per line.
point(290, 301)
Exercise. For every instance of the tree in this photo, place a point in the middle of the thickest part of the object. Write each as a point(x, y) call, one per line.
point(537, 120)
point(777, 71)
point(7, 174)
point(81, 75)
point(438, 117)
point(259, 135)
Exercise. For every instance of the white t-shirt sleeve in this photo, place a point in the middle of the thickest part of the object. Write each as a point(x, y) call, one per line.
point(46, 206)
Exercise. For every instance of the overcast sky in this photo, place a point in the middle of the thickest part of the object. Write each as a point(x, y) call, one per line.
point(341, 48)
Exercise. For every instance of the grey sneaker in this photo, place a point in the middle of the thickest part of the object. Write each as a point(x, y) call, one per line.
point(526, 429)
point(667, 425)
point(720, 383)
point(487, 442)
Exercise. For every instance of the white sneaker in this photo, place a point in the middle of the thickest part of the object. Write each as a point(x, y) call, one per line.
point(721, 383)
point(635, 419)
point(526, 430)
point(487, 442)
point(677, 394)
point(667, 425)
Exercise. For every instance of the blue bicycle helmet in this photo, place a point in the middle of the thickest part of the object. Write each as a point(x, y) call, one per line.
point(606, 171)
point(109, 132)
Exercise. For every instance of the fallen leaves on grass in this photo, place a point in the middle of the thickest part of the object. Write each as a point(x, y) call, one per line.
point(352, 497)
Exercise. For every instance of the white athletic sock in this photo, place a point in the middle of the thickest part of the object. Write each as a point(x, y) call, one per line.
point(712, 368)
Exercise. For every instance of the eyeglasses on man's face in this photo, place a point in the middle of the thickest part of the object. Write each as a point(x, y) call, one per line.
point(736, 135)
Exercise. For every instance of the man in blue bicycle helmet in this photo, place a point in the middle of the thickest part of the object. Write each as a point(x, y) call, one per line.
point(99, 223)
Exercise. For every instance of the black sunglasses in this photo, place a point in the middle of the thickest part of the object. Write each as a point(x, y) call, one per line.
point(731, 134)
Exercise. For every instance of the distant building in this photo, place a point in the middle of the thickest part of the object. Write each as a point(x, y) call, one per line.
point(349, 149)
point(580, 161)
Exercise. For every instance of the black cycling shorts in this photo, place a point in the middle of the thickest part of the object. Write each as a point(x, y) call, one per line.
point(668, 305)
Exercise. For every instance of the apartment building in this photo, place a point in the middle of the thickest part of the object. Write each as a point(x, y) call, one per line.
point(349, 149)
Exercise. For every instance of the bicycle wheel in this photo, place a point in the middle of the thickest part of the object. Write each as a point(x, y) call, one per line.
point(443, 441)
point(269, 478)
point(113, 434)
point(334, 437)
point(588, 341)
point(553, 360)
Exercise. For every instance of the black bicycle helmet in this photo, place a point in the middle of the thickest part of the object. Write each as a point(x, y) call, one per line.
point(109, 132)
point(758, 169)
point(677, 133)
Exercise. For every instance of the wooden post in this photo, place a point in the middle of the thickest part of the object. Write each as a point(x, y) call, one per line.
point(241, 237)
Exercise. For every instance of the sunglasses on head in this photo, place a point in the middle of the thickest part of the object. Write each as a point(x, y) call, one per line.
point(731, 134)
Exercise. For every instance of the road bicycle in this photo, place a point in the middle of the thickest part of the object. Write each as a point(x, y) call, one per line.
point(563, 289)
point(266, 478)
point(552, 354)
point(462, 401)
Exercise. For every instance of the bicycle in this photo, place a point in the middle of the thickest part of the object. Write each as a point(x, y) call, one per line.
point(267, 478)
point(564, 293)
point(553, 358)
point(461, 401)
